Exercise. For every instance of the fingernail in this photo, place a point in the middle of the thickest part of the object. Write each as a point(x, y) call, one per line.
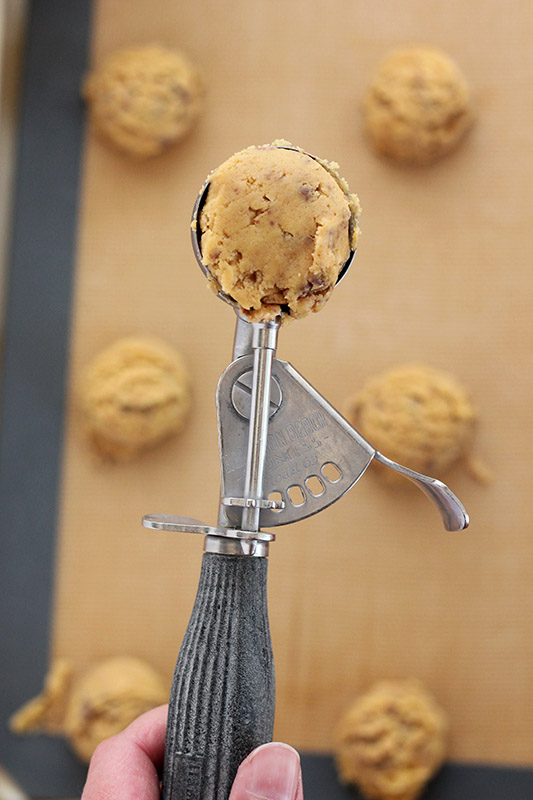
point(272, 772)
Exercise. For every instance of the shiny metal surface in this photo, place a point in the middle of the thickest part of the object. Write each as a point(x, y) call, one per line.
point(241, 395)
point(242, 341)
point(252, 502)
point(167, 522)
point(454, 514)
point(236, 547)
point(264, 342)
point(304, 435)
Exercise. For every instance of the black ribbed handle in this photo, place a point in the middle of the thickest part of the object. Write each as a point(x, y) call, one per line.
point(222, 698)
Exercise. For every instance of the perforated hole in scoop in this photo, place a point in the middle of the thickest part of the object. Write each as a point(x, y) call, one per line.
point(315, 485)
point(331, 472)
point(296, 495)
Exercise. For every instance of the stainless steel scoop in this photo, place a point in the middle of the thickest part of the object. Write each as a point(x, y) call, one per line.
point(285, 454)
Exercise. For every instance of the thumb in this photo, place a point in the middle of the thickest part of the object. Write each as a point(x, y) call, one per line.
point(270, 772)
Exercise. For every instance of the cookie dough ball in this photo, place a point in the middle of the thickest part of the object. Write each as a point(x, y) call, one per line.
point(418, 416)
point(107, 698)
point(418, 106)
point(98, 704)
point(134, 395)
point(46, 712)
point(392, 740)
point(144, 99)
point(276, 229)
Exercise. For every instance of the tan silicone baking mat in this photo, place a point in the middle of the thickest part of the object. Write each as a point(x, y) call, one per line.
point(372, 587)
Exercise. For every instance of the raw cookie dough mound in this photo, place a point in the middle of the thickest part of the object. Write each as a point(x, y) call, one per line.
point(134, 395)
point(276, 229)
point(107, 698)
point(46, 712)
point(89, 709)
point(144, 99)
point(392, 740)
point(418, 106)
point(418, 416)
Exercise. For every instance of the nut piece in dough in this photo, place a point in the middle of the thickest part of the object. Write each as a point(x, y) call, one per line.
point(418, 106)
point(144, 99)
point(276, 229)
point(134, 395)
point(392, 741)
point(418, 416)
point(100, 703)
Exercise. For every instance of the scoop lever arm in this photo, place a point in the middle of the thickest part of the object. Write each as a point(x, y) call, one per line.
point(454, 514)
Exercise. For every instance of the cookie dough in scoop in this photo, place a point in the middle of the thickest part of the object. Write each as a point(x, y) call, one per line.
point(276, 229)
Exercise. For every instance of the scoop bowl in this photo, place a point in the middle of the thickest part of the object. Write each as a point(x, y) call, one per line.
point(196, 234)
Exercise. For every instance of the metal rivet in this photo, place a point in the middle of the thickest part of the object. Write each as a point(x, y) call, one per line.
point(241, 395)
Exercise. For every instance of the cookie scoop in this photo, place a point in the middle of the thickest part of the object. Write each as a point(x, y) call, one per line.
point(274, 230)
point(285, 454)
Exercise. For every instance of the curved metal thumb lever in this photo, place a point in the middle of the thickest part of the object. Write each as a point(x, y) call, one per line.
point(454, 514)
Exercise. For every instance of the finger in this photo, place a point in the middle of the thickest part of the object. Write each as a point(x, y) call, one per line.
point(126, 766)
point(148, 732)
point(271, 772)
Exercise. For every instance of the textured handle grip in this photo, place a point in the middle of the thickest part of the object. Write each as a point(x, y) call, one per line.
point(222, 697)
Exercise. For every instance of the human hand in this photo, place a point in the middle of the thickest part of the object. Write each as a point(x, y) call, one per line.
point(127, 766)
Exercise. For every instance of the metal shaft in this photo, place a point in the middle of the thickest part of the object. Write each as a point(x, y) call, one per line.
point(264, 343)
point(242, 342)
